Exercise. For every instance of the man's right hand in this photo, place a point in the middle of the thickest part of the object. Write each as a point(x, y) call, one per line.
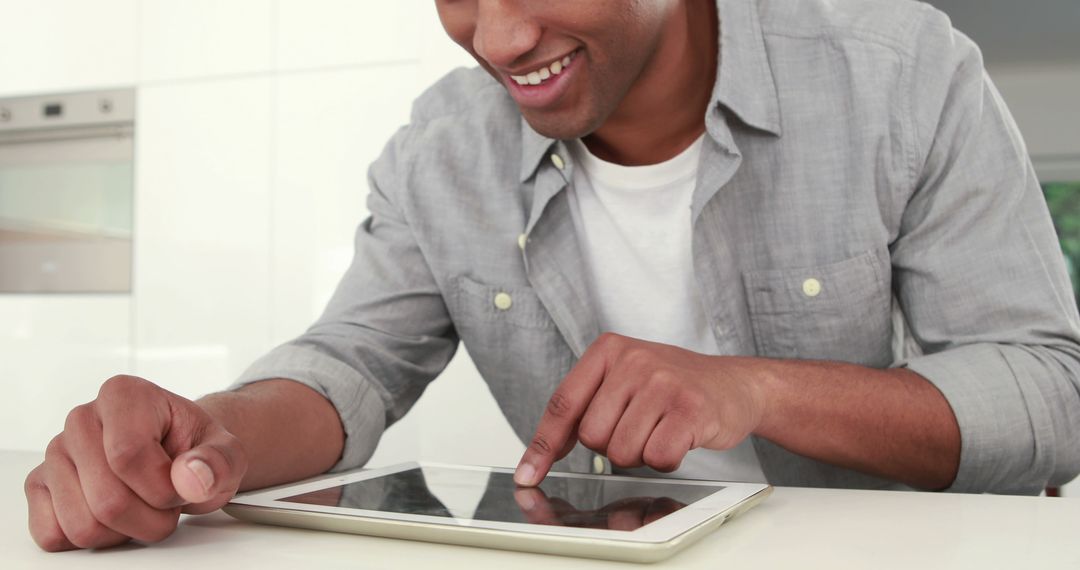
point(125, 467)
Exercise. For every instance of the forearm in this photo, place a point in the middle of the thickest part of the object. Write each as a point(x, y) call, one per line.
point(890, 423)
point(288, 430)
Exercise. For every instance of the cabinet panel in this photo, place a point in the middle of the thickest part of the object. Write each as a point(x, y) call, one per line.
point(66, 45)
point(329, 127)
point(324, 33)
point(56, 351)
point(201, 38)
point(201, 279)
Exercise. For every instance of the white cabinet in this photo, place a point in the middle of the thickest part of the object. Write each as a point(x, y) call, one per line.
point(203, 38)
point(66, 45)
point(55, 351)
point(329, 126)
point(202, 267)
point(333, 33)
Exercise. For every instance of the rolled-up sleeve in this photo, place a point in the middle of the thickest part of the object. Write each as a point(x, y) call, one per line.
point(981, 279)
point(386, 332)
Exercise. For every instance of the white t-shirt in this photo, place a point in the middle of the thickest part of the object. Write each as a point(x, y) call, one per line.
point(633, 224)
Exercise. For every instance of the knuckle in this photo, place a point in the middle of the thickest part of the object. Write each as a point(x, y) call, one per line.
point(120, 386)
point(624, 456)
point(541, 445)
point(637, 358)
point(663, 464)
point(661, 459)
point(607, 339)
point(55, 447)
point(88, 534)
point(686, 408)
point(559, 405)
point(79, 417)
point(164, 531)
point(663, 380)
point(123, 455)
point(621, 459)
point(51, 540)
point(34, 482)
point(592, 436)
point(233, 451)
point(109, 509)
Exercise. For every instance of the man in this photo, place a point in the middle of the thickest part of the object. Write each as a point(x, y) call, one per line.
point(819, 256)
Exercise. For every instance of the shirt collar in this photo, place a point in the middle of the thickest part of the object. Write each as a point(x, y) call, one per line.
point(744, 82)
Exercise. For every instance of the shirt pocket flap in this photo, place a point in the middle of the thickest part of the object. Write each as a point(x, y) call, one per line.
point(481, 302)
point(774, 291)
point(837, 311)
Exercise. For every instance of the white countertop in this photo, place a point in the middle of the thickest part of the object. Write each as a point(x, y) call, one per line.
point(794, 528)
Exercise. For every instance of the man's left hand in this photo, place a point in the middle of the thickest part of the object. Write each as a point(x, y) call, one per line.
point(643, 403)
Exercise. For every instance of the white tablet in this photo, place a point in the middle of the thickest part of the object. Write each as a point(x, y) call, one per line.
point(597, 516)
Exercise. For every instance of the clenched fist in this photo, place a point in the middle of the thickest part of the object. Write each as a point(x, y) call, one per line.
point(125, 467)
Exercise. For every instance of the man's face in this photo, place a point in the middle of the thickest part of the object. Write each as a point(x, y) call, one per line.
point(567, 63)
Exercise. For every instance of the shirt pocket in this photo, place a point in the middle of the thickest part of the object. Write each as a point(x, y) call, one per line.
point(838, 311)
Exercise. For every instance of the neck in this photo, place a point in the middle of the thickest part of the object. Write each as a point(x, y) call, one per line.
point(663, 113)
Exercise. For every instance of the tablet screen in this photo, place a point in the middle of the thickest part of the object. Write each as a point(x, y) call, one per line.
point(469, 494)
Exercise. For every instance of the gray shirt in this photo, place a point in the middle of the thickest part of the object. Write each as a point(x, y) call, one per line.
point(863, 195)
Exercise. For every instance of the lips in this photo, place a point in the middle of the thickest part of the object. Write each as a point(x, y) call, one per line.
point(544, 73)
point(544, 86)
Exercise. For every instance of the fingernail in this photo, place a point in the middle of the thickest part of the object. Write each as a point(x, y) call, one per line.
point(202, 472)
point(524, 475)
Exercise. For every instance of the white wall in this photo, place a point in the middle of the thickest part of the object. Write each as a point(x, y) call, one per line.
point(256, 122)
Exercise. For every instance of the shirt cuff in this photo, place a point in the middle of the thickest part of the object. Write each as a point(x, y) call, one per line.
point(996, 432)
point(357, 400)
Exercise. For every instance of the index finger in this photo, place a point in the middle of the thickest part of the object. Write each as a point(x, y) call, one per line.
point(133, 425)
point(555, 434)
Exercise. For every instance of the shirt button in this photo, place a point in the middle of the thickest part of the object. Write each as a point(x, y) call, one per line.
point(811, 287)
point(558, 161)
point(521, 241)
point(503, 301)
point(597, 464)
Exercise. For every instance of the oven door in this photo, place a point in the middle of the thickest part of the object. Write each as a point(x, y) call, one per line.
point(66, 194)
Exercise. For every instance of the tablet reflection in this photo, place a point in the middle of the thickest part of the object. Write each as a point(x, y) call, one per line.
point(613, 504)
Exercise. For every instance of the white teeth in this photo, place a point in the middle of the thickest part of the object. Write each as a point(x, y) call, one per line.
point(544, 73)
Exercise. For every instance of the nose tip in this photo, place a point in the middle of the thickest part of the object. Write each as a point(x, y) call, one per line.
point(503, 36)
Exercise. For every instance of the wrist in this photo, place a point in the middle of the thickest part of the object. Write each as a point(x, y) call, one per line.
point(762, 380)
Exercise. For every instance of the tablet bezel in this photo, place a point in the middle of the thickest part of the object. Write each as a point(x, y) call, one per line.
point(724, 501)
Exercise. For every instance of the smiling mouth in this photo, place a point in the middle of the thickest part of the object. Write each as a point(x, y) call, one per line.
point(545, 73)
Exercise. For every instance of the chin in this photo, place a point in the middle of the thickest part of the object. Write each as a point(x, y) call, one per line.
point(560, 127)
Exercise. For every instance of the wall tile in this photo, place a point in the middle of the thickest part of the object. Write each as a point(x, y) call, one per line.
point(201, 286)
point(329, 127)
point(202, 38)
point(326, 33)
point(66, 45)
point(57, 350)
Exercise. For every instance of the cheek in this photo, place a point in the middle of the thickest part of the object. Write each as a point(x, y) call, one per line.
point(459, 21)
